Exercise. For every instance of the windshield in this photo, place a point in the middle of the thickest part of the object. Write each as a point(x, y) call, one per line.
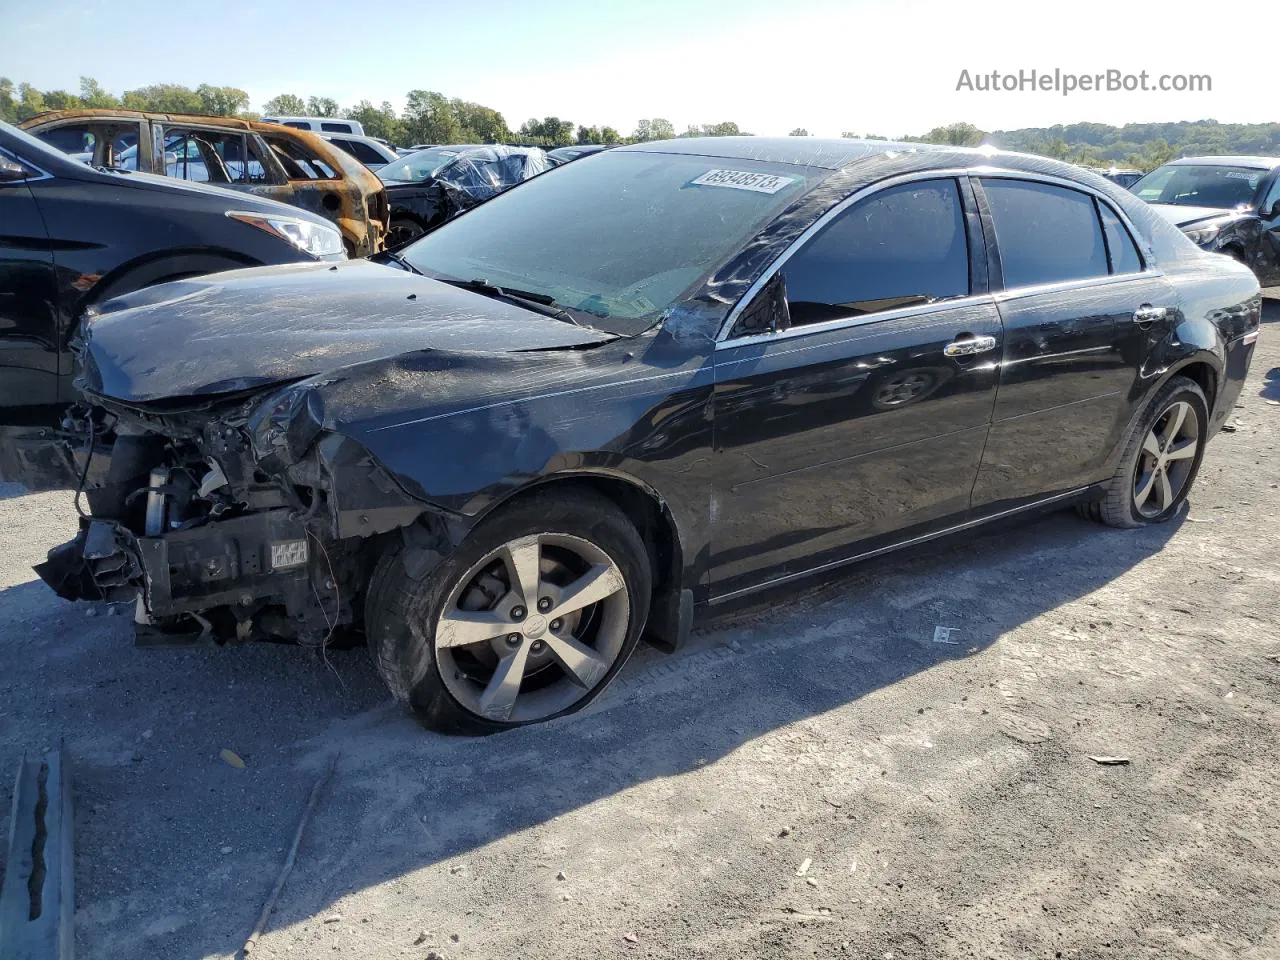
point(1208, 185)
point(620, 237)
point(419, 166)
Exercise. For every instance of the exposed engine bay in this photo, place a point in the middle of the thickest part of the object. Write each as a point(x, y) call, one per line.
point(224, 518)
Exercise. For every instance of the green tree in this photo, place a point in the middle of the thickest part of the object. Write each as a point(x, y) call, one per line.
point(8, 102)
point(547, 132)
point(379, 121)
point(322, 107)
point(30, 101)
point(955, 135)
point(588, 135)
point(284, 105)
point(798, 132)
point(221, 101)
point(480, 124)
point(163, 98)
point(93, 96)
point(609, 136)
point(429, 118)
point(656, 129)
point(726, 128)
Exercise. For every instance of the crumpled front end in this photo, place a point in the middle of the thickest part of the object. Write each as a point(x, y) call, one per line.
point(237, 518)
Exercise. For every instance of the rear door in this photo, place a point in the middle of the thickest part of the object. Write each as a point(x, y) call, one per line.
point(1081, 311)
point(28, 298)
point(866, 418)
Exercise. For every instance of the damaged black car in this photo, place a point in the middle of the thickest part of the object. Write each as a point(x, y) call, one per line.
point(646, 385)
point(427, 188)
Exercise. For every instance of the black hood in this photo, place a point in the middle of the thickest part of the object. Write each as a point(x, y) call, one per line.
point(249, 328)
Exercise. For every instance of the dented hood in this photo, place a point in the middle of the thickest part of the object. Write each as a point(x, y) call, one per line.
point(1183, 216)
point(250, 328)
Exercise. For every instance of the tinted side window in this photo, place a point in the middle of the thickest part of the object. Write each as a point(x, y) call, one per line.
point(1046, 234)
point(77, 140)
point(361, 151)
point(336, 127)
point(1120, 246)
point(903, 246)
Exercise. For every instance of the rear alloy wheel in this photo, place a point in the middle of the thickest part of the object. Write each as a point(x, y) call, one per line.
point(1160, 460)
point(1169, 454)
point(527, 620)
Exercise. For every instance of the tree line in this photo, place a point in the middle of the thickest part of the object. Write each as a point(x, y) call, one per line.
point(431, 117)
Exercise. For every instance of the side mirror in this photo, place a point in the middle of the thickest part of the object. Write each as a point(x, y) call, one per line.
point(12, 171)
point(1274, 211)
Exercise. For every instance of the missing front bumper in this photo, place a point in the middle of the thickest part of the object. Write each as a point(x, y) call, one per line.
point(240, 562)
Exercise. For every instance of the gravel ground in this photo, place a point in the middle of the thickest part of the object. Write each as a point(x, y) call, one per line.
point(813, 777)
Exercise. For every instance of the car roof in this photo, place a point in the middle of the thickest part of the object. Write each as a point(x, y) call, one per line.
point(831, 154)
point(1261, 163)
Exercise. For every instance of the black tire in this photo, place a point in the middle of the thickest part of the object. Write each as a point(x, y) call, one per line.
point(405, 603)
point(1119, 506)
point(403, 230)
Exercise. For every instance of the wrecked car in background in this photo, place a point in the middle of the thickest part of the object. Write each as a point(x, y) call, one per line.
point(1227, 205)
point(72, 236)
point(428, 188)
point(650, 382)
point(266, 159)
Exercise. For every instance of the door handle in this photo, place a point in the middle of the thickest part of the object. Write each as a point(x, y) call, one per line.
point(966, 345)
point(1148, 314)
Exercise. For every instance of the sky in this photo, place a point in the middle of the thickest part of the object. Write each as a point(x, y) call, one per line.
point(868, 66)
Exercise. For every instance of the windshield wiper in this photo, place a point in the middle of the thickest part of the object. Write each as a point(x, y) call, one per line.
point(538, 302)
point(401, 261)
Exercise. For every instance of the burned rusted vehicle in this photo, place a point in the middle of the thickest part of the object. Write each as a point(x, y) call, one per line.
point(645, 384)
point(427, 188)
point(265, 159)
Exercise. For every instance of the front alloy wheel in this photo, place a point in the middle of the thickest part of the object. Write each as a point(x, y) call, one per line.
point(528, 618)
point(532, 628)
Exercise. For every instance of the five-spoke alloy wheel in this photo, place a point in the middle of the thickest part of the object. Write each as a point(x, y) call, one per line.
point(1161, 457)
point(527, 619)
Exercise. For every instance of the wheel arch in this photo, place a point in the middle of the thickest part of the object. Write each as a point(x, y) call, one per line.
point(671, 606)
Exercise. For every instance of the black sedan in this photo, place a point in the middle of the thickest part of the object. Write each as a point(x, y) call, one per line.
point(651, 383)
point(1226, 205)
point(562, 155)
point(72, 235)
point(427, 188)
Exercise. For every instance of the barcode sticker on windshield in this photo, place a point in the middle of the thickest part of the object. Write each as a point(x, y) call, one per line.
point(742, 180)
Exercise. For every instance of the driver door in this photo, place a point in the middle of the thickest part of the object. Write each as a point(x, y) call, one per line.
point(862, 424)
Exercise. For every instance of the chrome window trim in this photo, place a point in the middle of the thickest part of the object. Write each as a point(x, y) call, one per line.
point(990, 172)
point(1058, 286)
point(42, 174)
point(845, 323)
point(722, 335)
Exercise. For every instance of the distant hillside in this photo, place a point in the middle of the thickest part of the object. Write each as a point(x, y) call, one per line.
point(1144, 145)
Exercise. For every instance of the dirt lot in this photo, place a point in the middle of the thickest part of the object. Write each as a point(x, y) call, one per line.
point(814, 777)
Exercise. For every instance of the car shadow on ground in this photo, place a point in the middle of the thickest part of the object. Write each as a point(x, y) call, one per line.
point(177, 850)
point(404, 800)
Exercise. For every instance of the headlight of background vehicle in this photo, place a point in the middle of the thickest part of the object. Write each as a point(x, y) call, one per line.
point(317, 239)
point(1203, 234)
